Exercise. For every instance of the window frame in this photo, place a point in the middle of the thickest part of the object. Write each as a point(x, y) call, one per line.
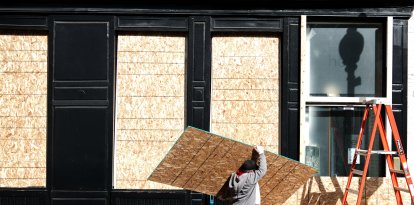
point(311, 101)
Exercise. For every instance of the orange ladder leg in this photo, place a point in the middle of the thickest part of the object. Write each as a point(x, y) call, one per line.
point(361, 132)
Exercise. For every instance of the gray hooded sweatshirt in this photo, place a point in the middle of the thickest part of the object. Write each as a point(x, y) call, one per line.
point(244, 186)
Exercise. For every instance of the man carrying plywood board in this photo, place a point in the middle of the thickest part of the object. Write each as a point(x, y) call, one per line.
point(203, 162)
point(245, 182)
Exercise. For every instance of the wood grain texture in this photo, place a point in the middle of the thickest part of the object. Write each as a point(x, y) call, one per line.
point(245, 88)
point(23, 109)
point(150, 104)
point(201, 161)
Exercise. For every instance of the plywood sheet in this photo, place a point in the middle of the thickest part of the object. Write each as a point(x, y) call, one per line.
point(23, 109)
point(245, 88)
point(150, 105)
point(201, 161)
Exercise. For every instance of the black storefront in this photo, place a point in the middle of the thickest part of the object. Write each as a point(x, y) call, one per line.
point(81, 79)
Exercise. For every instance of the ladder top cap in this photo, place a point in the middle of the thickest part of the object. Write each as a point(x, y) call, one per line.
point(366, 100)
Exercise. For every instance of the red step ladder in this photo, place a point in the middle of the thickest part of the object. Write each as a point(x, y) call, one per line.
point(376, 106)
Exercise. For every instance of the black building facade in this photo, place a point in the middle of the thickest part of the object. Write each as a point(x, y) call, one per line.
point(81, 79)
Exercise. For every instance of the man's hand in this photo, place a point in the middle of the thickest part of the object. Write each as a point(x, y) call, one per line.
point(259, 149)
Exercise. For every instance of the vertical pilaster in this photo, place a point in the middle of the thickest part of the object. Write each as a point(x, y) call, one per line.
point(290, 89)
point(399, 77)
point(80, 100)
point(199, 73)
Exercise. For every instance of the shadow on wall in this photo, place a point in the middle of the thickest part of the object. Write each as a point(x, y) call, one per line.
point(330, 190)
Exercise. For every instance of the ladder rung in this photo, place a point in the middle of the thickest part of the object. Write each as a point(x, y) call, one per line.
point(397, 171)
point(359, 172)
point(402, 189)
point(365, 152)
point(352, 191)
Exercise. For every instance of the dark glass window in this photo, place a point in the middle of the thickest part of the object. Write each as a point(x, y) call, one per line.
point(345, 63)
point(346, 60)
point(332, 138)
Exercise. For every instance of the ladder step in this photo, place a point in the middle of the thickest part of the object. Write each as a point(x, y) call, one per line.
point(359, 172)
point(402, 189)
point(365, 152)
point(397, 171)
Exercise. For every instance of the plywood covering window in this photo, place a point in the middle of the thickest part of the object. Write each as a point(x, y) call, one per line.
point(245, 88)
point(149, 105)
point(23, 108)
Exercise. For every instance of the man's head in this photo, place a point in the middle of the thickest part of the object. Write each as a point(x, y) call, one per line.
point(248, 165)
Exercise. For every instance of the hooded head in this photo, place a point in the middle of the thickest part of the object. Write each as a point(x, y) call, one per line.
point(248, 165)
point(239, 179)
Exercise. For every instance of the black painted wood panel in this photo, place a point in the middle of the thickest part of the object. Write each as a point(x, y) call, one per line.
point(80, 148)
point(150, 23)
point(150, 197)
point(24, 197)
point(355, 8)
point(290, 89)
point(27, 22)
point(199, 73)
point(75, 201)
point(80, 50)
point(80, 93)
point(399, 77)
point(247, 24)
point(80, 102)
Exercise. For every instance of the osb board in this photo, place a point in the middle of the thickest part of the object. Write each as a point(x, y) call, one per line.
point(23, 107)
point(245, 88)
point(203, 162)
point(149, 105)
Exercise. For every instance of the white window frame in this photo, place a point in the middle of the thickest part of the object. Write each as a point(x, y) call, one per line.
point(307, 100)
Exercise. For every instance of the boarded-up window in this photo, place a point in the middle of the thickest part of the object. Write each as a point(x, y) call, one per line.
point(245, 89)
point(23, 108)
point(149, 105)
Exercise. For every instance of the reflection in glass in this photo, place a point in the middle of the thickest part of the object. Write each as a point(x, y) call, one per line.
point(345, 60)
point(333, 133)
